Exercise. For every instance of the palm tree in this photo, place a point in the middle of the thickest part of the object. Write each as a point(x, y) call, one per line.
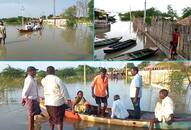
point(12, 73)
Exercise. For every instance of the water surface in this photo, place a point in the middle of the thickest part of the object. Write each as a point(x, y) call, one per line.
point(11, 109)
point(51, 43)
point(126, 30)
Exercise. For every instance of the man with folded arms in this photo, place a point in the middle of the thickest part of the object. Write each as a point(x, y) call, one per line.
point(30, 96)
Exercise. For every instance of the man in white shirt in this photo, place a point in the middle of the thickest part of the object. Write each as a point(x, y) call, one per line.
point(36, 27)
point(118, 109)
point(164, 111)
point(136, 92)
point(30, 96)
point(28, 26)
point(56, 95)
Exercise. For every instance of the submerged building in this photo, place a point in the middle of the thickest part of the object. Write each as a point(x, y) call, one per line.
point(101, 19)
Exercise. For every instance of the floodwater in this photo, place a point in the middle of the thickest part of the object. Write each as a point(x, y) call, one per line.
point(126, 30)
point(51, 43)
point(12, 111)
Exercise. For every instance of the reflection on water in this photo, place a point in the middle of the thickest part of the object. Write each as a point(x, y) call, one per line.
point(3, 51)
point(49, 44)
point(10, 106)
point(125, 29)
point(82, 125)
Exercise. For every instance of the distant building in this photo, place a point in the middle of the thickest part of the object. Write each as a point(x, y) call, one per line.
point(82, 8)
point(101, 19)
point(155, 67)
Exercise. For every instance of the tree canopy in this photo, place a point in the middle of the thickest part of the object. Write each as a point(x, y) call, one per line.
point(186, 12)
point(11, 72)
point(152, 12)
point(130, 65)
point(70, 15)
point(90, 9)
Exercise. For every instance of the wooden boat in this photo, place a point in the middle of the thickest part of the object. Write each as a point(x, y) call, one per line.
point(183, 123)
point(107, 41)
point(137, 55)
point(27, 31)
point(120, 46)
point(24, 30)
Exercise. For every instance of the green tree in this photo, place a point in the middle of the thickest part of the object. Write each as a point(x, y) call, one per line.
point(180, 73)
point(70, 15)
point(140, 13)
point(90, 9)
point(41, 74)
point(69, 12)
point(89, 70)
point(43, 17)
point(12, 73)
point(50, 16)
point(66, 72)
point(186, 12)
point(130, 65)
point(172, 13)
point(153, 12)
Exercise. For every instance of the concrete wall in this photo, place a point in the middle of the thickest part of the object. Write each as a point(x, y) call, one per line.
point(155, 77)
point(59, 22)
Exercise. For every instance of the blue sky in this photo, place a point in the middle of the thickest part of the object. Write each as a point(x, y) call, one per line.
point(62, 64)
point(32, 8)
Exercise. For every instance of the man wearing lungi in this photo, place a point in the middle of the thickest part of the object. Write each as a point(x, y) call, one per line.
point(56, 97)
point(30, 96)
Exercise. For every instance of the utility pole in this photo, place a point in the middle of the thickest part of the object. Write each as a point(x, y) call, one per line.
point(84, 74)
point(54, 11)
point(130, 14)
point(126, 73)
point(22, 12)
point(145, 12)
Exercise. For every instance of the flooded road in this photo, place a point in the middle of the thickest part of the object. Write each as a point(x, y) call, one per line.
point(126, 30)
point(51, 43)
point(11, 109)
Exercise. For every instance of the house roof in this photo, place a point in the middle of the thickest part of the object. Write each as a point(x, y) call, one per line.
point(185, 21)
point(101, 11)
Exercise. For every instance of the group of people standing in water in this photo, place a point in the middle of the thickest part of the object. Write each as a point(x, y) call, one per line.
point(57, 99)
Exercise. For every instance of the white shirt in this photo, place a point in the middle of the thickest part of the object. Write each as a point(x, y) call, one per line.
point(165, 109)
point(30, 89)
point(2, 31)
point(26, 27)
point(136, 83)
point(36, 27)
point(55, 92)
point(119, 110)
